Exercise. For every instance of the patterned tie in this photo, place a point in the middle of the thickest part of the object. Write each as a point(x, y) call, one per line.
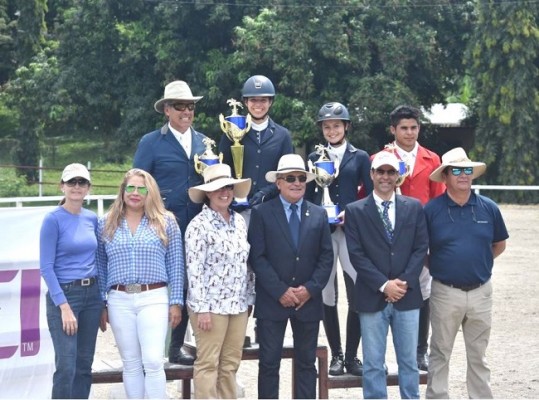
point(294, 224)
point(387, 222)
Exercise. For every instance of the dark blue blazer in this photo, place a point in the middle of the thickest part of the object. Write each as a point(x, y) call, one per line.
point(354, 171)
point(378, 260)
point(259, 158)
point(160, 154)
point(278, 265)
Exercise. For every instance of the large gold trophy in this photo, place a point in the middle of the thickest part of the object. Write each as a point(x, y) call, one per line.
point(235, 126)
point(404, 169)
point(326, 171)
point(208, 157)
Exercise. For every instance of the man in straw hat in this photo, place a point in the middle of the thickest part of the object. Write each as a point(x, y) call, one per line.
point(466, 233)
point(291, 255)
point(387, 241)
point(167, 154)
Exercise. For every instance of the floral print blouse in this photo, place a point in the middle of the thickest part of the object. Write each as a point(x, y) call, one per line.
point(220, 280)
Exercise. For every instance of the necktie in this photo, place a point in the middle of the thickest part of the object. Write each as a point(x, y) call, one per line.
point(387, 222)
point(294, 224)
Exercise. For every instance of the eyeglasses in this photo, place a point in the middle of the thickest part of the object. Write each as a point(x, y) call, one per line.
point(293, 178)
point(227, 187)
point(78, 181)
point(142, 190)
point(183, 106)
point(457, 171)
point(382, 172)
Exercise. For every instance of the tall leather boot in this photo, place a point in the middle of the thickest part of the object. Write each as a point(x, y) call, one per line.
point(176, 353)
point(423, 337)
point(333, 333)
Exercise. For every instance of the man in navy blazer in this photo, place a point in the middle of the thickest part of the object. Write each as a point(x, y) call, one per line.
point(167, 154)
point(387, 242)
point(290, 276)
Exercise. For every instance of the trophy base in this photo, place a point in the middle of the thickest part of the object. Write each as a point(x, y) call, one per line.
point(333, 211)
point(241, 201)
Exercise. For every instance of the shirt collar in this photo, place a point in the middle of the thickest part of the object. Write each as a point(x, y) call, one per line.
point(378, 200)
point(177, 132)
point(287, 204)
point(412, 153)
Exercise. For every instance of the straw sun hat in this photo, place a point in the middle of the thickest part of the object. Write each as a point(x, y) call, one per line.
point(175, 91)
point(289, 163)
point(215, 177)
point(457, 158)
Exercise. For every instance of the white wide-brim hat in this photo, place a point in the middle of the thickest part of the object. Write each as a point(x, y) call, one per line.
point(75, 170)
point(175, 91)
point(215, 177)
point(289, 163)
point(457, 158)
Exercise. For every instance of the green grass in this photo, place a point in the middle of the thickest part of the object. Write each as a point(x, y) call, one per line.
point(106, 177)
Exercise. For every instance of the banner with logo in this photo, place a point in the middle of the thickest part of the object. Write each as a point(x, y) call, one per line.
point(26, 351)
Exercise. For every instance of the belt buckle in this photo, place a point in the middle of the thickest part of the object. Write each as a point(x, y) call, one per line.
point(86, 282)
point(133, 288)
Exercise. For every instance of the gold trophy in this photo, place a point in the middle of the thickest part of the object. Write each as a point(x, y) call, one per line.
point(235, 126)
point(326, 171)
point(404, 169)
point(208, 157)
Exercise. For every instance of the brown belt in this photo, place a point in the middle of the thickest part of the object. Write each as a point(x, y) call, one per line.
point(137, 287)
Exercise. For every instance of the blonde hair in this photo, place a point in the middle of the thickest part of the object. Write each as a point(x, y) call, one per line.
point(154, 209)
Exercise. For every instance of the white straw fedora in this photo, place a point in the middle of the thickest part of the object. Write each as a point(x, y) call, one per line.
point(457, 158)
point(215, 177)
point(289, 163)
point(177, 90)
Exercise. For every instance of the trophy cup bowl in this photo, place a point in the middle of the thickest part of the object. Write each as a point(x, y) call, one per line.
point(326, 172)
point(207, 158)
point(235, 127)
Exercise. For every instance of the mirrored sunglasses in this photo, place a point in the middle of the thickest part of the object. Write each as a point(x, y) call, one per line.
point(456, 171)
point(142, 190)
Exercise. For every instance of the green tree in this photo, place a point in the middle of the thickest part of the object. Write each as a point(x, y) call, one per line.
point(503, 59)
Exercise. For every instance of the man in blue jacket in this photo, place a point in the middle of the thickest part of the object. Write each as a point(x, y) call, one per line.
point(167, 154)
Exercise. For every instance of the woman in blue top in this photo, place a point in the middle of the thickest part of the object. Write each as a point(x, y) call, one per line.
point(139, 254)
point(74, 305)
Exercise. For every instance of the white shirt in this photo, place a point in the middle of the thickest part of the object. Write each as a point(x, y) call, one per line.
point(184, 138)
point(408, 156)
point(337, 153)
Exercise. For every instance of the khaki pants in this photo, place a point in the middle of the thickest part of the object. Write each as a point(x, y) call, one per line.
point(219, 354)
point(449, 309)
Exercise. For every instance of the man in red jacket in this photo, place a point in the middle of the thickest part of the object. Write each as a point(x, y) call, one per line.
point(405, 126)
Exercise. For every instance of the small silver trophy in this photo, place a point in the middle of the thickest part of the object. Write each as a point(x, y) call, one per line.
point(326, 171)
point(208, 157)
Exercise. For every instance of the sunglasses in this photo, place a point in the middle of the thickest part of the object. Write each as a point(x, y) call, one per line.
point(78, 181)
point(293, 178)
point(142, 190)
point(382, 172)
point(457, 171)
point(183, 106)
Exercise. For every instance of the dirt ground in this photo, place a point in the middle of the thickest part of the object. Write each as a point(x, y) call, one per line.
point(513, 352)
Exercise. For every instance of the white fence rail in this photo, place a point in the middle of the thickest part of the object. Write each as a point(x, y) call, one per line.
point(19, 201)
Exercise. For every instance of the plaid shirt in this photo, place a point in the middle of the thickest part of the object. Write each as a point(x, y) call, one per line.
point(141, 258)
point(216, 256)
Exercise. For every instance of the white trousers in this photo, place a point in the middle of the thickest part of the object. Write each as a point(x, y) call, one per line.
point(139, 322)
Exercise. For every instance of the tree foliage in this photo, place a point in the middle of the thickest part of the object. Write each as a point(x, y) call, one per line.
point(503, 56)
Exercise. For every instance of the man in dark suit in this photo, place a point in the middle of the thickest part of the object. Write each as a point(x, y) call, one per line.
point(387, 241)
point(291, 255)
point(167, 154)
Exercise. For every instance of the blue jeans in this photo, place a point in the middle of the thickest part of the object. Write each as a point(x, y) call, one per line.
point(74, 355)
point(374, 329)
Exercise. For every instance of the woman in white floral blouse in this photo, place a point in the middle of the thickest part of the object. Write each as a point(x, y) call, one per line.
point(221, 286)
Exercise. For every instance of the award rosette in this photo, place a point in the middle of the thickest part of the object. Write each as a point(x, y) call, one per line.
point(404, 169)
point(326, 171)
point(208, 157)
point(235, 127)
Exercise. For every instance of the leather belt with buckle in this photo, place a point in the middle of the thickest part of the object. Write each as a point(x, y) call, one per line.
point(464, 288)
point(81, 282)
point(138, 287)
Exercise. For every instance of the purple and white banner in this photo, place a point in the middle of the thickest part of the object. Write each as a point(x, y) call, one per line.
point(26, 352)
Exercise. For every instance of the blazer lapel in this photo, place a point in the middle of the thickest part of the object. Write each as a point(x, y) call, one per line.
point(400, 214)
point(374, 215)
point(282, 221)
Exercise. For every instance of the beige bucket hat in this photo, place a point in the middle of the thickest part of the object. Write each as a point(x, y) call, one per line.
point(457, 158)
point(177, 90)
point(289, 163)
